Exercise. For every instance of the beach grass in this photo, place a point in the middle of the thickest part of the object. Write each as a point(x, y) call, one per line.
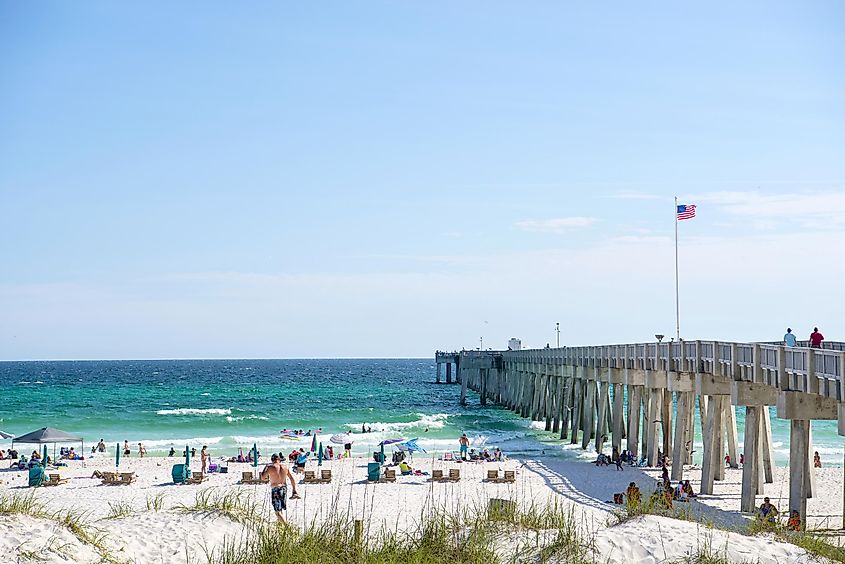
point(545, 535)
point(234, 505)
point(25, 504)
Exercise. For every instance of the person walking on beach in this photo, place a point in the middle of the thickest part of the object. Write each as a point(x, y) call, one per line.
point(789, 339)
point(816, 338)
point(141, 450)
point(101, 446)
point(347, 446)
point(278, 474)
point(464, 442)
point(126, 451)
point(817, 460)
point(204, 458)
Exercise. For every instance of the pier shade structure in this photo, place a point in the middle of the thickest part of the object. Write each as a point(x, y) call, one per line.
point(643, 397)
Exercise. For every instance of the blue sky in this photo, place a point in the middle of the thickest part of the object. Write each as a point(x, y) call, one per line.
point(384, 179)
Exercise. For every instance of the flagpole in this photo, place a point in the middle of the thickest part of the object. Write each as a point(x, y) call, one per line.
point(677, 307)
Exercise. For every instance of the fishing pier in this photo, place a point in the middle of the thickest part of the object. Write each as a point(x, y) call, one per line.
point(643, 397)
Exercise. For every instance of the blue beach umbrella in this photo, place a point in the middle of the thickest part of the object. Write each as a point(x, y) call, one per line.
point(117, 455)
point(320, 455)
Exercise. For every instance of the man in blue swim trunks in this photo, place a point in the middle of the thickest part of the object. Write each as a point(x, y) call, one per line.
point(278, 474)
point(464, 441)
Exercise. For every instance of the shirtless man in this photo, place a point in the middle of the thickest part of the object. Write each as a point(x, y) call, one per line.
point(278, 474)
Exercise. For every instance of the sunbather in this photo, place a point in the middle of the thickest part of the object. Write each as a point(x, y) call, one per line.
point(405, 469)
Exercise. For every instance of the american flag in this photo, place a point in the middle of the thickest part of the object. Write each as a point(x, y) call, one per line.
point(686, 211)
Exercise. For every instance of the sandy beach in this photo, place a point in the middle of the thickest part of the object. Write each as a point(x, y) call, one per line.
point(144, 533)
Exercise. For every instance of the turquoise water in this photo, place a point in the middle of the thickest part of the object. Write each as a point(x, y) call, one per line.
point(227, 404)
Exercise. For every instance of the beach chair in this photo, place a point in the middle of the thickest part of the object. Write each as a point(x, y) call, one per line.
point(492, 476)
point(389, 475)
point(454, 475)
point(248, 478)
point(447, 456)
point(54, 480)
point(510, 476)
point(436, 476)
point(109, 478)
point(196, 478)
point(326, 477)
point(309, 478)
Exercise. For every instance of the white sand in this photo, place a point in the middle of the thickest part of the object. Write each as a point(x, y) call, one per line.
point(172, 536)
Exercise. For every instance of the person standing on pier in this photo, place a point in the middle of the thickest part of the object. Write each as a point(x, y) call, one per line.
point(789, 339)
point(816, 338)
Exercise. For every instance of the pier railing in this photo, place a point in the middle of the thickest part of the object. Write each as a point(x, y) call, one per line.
point(811, 370)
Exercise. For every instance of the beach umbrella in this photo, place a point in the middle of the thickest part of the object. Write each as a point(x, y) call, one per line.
point(117, 455)
point(44, 457)
point(411, 446)
point(314, 442)
point(390, 441)
point(320, 455)
point(382, 452)
point(342, 438)
point(4, 435)
point(187, 458)
point(255, 455)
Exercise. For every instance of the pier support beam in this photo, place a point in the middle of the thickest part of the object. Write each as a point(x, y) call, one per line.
point(439, 371)
point(589, 404)
point(618, 416)
point(635, 400)
point(601, 430)
point(799, 438)
point(577, 404)
point(679, 453)
point(449, 372)
point(655, 399)
point(566, 406)
point(712, 467)
point(463, 378)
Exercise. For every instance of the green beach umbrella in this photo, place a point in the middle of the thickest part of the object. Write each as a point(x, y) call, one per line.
point(320, 455)
point(187, 458)
point(382, 452)
point(117, 455)
point(255, 455)
point(44, 458)
point(314, 442)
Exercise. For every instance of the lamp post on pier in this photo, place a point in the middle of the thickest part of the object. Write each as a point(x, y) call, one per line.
point(557, 330)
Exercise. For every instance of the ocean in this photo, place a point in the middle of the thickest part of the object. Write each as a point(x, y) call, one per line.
point(231, 404)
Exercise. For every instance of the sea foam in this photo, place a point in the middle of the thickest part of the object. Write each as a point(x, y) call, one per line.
point(194, 411)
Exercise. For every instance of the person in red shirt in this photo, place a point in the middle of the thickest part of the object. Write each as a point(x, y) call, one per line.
point(816, 338)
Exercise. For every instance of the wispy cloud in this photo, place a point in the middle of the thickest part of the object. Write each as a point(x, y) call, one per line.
point(554, 225)
point(769, 211)
point(635, 196)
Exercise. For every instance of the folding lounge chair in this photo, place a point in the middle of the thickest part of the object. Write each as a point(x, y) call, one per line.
point(492, 476)
point(53, 480)
point(325, 476)
point(309, 478)
point(389, 475)
point(454, 475)
point(436, 476)
point(510, 476)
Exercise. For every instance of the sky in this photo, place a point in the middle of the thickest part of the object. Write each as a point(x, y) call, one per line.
point(383, 179)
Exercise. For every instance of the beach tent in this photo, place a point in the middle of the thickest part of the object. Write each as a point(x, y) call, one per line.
point(49, 435)
point(4, 435)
